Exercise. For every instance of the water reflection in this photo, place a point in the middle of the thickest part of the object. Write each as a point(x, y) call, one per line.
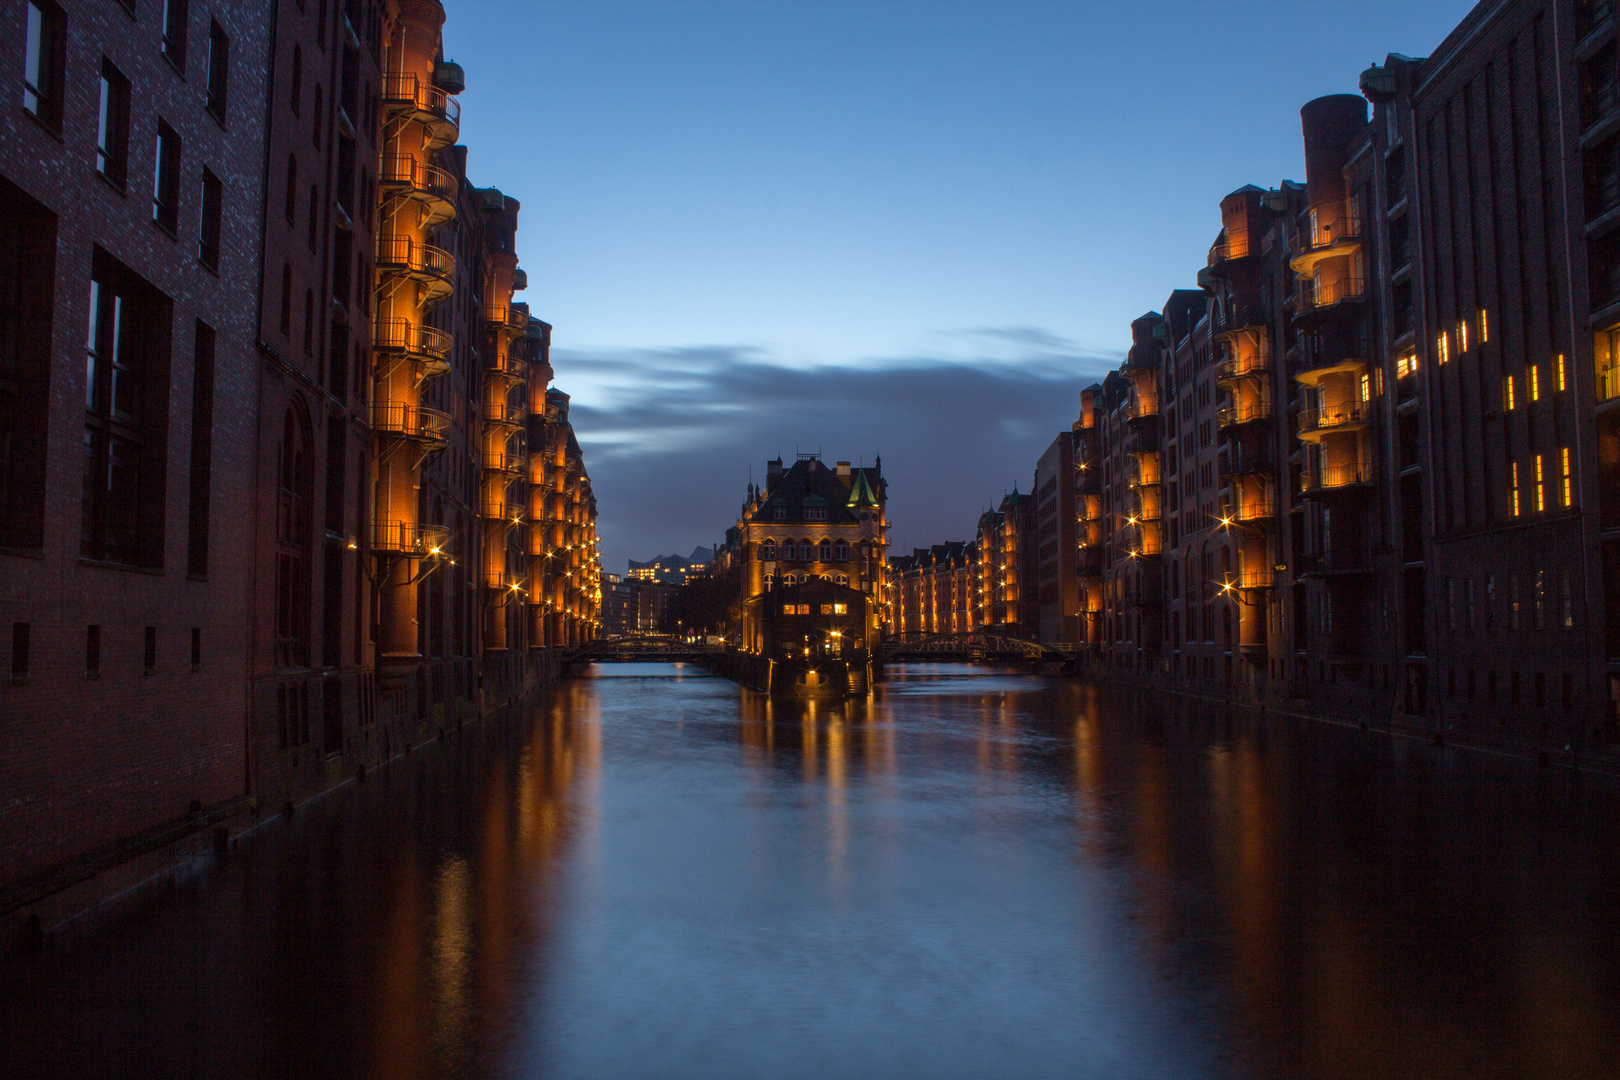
point(966, 873)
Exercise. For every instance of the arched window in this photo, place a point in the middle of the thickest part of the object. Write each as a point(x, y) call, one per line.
point(807, 550)
point(841, 579)
point(841, 551)
point(314, 213)
point(767, 550)
point(309, 320)
point(294, 482)
point(770, 581)
point(826, 578)
point(319, 105)
point(1226, 625)
point(826, 551)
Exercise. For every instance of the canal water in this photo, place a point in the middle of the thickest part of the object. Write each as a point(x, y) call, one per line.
point(650, 872)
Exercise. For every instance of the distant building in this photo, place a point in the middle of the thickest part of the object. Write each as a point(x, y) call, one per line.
point(811, 522)
point(1057, 591)
point(671, 569)
point(934, 590)
point(634, 606)
point(1008, 586)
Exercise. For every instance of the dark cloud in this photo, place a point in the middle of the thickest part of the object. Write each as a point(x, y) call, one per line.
point(670, 435)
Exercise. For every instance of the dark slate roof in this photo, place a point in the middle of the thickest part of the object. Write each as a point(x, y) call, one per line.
point(812, 483)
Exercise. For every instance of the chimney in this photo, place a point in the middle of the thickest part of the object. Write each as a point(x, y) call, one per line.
point(773, 473)
point(843, 471)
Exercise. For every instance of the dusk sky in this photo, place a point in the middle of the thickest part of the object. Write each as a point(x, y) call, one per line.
point(914, 230)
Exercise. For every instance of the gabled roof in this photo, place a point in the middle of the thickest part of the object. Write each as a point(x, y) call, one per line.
point(810, 483)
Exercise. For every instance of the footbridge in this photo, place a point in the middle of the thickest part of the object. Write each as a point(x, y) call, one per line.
point(639, 648)
point(971, 646)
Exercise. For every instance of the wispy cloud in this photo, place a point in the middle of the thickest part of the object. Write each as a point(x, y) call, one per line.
point(670, 435)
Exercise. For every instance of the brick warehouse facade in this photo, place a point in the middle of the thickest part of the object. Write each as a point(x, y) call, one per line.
point(1369, 467)
point(303, 586)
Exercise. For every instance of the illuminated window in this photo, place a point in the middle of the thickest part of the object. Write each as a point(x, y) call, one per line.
point(1535, 382)
point(1515, 489)
point(1484, 331)
point(1541, 487)
point(1559, 367)
point(1507, 393)
point(1569, 486)
point(1366, 388)
point(1406, 365)
point(840, 609)
point(1442, 348)
point(1462, 336)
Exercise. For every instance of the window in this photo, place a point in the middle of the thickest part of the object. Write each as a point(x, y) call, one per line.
point(309, 321)
point(1515, 478)
point(27, 282)
point(815, 513)
point(1568, 485)
point(196, 648)
point(1490, 601)
point(1508, 402)
point(202, 450)
point(1603, 178)
point(1513, 601)
point(219, 66)
point(166, 179)
point(841, 551)
point(291, 203)
point(1538, 599)
point(20, 635)
point(43, 62)
point(1566, 600)
point(151, 650)
point(286, 300)
point(1471, 599)
point(841, 579)
point(1600, 86)
point(779, 513)
point(294, 484)
point(1534, 383)
point(213, 194)
point(320, 106)
point(92, 651)
point(1541, 487)
point(112, 127)
point(826, 551)
point(1484, 327)
point(174, 32)
point(1558, 369)
point(126, 351)
point(296, 90)
point(767, 550)
point(1451, 604)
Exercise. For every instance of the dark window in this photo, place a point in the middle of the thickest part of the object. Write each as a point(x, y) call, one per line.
point(92, 651)
point(1395, 175)
point(1604, 258)
point(309, 320)
point(202, 451)
point(20, 632)
point(213, 194)
point(291, 206)
point(196, 648)
point(1600, 85)
point(320, 107)
point(43, 62)
point(112, 126)
point(1400, 245)
point(314, 214)
point(174, 32)
point(295, 478)
point(126, 351)
point(151, 649)
point(1591, 14)
point(166, 179)
point(296, 95)
point(1603, 178)
point(27, 276)
point(286, 300)
point(219, 68)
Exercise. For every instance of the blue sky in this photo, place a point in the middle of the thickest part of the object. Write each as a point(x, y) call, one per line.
point(914, 229)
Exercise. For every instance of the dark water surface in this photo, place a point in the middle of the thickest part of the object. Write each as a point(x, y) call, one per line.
point(654, 873)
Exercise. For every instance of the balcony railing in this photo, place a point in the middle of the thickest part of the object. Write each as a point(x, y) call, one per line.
point(1330, 477)
point(1142, 408)
point(415, 422)
point(1327, 417)
point(409, 538)
point(1241, 460)
point(1313, 297)
point(425, 344)
point(1608, 381)
point(509, 367)
point(424, 262)
point(503, 461)
point(407, 95)
point(1245, 365)
point(1324, 564)
point(1231, 246)
point(1243, 412)
point(1257, 578)
point(429, 183)
point(1328, 227)
point(1255, 506)
point(500, 509)
point(504, 413)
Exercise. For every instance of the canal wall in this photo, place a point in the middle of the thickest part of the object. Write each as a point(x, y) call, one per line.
point(70, 901)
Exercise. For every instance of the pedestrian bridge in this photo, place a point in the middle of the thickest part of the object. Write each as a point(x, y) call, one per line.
point(639, 647)
point(976, 645)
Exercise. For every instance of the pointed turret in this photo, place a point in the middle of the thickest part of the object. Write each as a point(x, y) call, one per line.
point(861, 494)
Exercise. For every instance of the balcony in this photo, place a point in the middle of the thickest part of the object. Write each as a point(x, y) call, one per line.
point(504, 579)
point(1230, 248)
point(1330, 234)
point(426, 346)
point(1259, 507)
point(409, 97)
point(1323, 420)
point(1237, 413)
point(1314, 302)
point(508, 369)
point(429, 428)
point(503, 461)
point(1258, 578)
point(1250, 365)
point(1334, 564)
point(1346, 356)
point(1242, 460)
point(504, 414)
point(409, 538)
point(433, 187)
point(1141, 409)
point(514, 321)
point(1326, 479)
point(500, 508)
point(430, 267)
